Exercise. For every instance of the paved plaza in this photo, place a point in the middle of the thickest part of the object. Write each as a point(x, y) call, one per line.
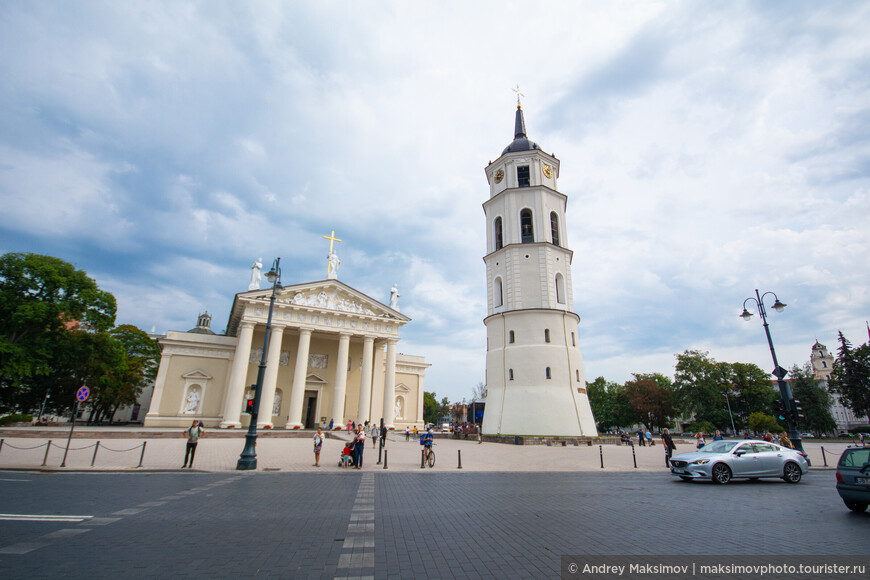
point(510, 512)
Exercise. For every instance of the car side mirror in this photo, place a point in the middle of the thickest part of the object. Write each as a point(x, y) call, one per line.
point(740, 452)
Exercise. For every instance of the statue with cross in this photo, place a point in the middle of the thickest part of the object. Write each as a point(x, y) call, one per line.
point(332, 259)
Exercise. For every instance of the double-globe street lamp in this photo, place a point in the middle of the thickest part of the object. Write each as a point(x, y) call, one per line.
point(779, 372)
point(248, 458)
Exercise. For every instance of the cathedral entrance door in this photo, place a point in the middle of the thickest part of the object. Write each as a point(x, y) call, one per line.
point(310, 411)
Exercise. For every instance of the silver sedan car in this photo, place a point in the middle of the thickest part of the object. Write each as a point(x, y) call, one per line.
point(721, 461)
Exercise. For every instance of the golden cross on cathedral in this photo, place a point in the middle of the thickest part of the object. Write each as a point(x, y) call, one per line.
point(332, 239)
point(519, 94)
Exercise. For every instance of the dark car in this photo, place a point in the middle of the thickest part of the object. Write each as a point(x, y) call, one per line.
point(853, 478)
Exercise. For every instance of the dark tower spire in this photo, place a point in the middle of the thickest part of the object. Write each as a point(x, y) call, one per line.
point(520, 124)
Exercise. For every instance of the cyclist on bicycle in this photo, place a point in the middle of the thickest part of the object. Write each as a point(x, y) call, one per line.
point(426, 440)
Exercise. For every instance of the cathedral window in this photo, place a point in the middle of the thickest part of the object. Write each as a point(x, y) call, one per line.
point(499, 241)
point(497, 298)
point(526, 229)
point(548, 373)
point(560, 288)
point(510, 374)
point(546, 335)
point(554, 227)
point(523, 176)
point(511, 337)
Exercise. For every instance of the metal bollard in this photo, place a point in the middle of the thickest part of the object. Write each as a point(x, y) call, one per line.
point(96, 448)
point(1, 444)
point(47, 447)
point(601, 453)
point(825, 459)
point(423, 458)
point(142, 455)
point(385, 458)
point(459, 454)
point(634, 456)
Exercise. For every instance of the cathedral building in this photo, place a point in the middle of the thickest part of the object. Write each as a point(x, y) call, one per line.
point(332, 358)
point(534, 370)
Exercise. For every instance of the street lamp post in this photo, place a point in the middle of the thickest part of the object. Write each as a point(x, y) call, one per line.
point(248, 458)
point(42, 408)
point(779, 372)
point(730, 414)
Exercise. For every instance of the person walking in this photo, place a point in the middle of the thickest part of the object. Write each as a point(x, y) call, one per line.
point(193, 433)
point(669, 446)
point(701, 439)
point(785, 441)
point(318, 445)
point(640, 441)
point(649, 438)
point(359, 446)
point(374, 436)
point(383, 436)
point(718, 436)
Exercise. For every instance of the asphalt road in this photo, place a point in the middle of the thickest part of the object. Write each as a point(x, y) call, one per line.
point(427, 524)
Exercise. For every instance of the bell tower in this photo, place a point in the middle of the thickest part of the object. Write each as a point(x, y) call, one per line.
point(534, 369)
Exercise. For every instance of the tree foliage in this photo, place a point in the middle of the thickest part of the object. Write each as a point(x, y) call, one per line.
point(815, 401)
point(762, 422)
point(652, 398)
point(43, 301)
point(850, 376)
point(610, 405)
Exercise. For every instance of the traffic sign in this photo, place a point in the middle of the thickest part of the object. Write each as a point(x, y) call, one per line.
point(82, 394)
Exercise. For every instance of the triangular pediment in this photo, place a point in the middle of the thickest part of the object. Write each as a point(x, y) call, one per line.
point(327, 295)
point(196, 374)
point(312, 378)
point(401, 388)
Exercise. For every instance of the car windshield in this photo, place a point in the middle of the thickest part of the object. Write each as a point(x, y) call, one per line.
point(718, 447)
point(855, 457)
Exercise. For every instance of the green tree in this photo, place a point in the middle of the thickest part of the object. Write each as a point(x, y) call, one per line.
point(751, 391)
point(850, 376)
point(42, 299)
point(814, 400)
point(699, 384)
point(610, 405)
point(431, 408)
point(761, 422)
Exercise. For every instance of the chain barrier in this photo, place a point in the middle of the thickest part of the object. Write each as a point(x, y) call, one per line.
point(97, 446)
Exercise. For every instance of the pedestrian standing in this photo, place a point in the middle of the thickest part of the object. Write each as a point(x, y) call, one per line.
point(408, 435)
point(718, 436)
point(331, 424)
point(669, 446)
point(193, 433)
point(415, 432)
point(701, 439)
point(348, 425)
point(318, 445)
point(640, 440)
point(383, 435)
point(374, 436)
point(649, 438)
point(359, 446)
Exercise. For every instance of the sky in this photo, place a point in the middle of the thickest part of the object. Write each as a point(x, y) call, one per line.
point(707, 150)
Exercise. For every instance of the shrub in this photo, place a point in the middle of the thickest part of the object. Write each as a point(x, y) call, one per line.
point(19, 418)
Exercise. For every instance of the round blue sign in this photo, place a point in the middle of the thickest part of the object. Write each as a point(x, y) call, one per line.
point(83, 394)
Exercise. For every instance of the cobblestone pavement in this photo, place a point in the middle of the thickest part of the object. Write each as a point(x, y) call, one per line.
point(411, 524)
point(296, 455)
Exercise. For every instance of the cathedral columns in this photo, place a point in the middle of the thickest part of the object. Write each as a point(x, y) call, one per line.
point(238, 375)
point(297, 395)
point(390, 384)
point(270, 378)
point(365, 384)
point(340, 388)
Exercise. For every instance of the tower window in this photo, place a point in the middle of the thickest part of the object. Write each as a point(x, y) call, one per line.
point(511, 337)
point(523, 176)
point(578, 374)
point(824, 364)
point(497, 293)
point(554, 227)
point(526, 229)
point(548, 373)
point(499, 243)
point(573, 342)
point(560, 288)
point(510, 374)
point(546, 335)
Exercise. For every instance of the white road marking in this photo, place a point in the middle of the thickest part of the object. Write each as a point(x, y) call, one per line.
point(42, 518)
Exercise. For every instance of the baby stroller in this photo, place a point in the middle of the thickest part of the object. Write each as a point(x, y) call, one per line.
point(345, 459)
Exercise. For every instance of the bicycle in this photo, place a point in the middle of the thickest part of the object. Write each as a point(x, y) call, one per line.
point(431, 459)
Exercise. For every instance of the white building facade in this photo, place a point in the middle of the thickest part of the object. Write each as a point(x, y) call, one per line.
point(823, 364)
point(534, 369)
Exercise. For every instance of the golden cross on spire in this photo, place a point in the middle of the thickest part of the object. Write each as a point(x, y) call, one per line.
point(519, 94)
point(332, 239)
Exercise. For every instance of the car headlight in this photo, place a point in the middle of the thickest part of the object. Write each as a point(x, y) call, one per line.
point(700, 462)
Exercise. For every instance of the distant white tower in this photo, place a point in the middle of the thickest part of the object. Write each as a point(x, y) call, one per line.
point(534, 369)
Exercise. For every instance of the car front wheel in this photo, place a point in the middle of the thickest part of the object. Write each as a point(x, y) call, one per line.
point(855, 506)
point(791, 473)
point(721, 473)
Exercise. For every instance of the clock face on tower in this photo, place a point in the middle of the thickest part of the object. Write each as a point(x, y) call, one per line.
point(548, 171)
point(499, 175)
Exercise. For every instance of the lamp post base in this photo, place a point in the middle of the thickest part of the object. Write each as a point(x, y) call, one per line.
point(248, 459)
